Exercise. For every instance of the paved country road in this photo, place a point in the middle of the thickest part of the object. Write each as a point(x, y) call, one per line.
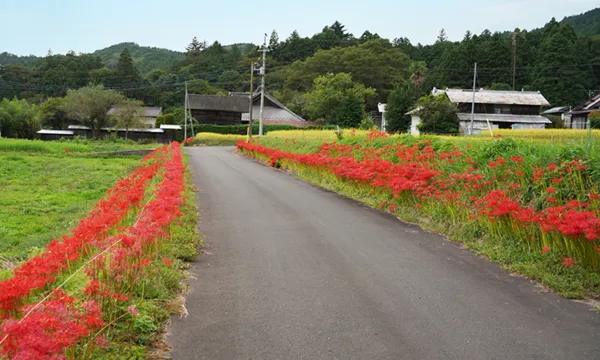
point(297, 272)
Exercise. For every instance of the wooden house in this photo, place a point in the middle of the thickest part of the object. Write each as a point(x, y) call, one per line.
point(149, 118)
point(579, 114)
point(218, 110)
point(493, 109)
point(274, 112)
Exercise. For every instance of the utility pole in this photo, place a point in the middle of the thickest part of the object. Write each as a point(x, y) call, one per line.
point(251, 122)
point(263, 71)
point(187, 99)
point(185, 103)
point(514, 54)
point(473, 104)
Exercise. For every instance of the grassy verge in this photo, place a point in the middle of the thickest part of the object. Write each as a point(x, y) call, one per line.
point(142, 337)
point(44, 195)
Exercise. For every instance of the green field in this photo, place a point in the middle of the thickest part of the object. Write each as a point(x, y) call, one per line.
point(46, 190)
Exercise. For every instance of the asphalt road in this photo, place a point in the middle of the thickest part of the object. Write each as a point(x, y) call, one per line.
point(297, 272)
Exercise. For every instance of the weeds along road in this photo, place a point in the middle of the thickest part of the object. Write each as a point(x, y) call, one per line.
point(296, 272)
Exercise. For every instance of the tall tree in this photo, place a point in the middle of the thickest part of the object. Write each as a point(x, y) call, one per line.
point(338, 100)
point(194, 47)
point(126, 71)
point(438, 115)
point(399, 103)
point(556, 73)
point(90, 104)
point(129, 114)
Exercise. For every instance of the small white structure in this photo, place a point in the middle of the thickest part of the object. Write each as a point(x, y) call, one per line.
point(415, 122)
point(170, 127)
point(381, 108)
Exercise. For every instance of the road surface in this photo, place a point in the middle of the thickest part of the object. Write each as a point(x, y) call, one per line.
point(296, 272)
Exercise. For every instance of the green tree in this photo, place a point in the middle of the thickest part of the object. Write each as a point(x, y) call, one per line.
point(438, 115)
point(126, 71)
point(399, 103)
point(18, 118)
point(194, 47)
point(556, 74)
point(52, 114)
point(128, 115)
point(90, 104)
point(376, 64)
point(165, 119)
point(594, 118)
point(338, 100)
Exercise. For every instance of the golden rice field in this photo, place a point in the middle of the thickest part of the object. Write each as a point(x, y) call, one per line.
point(552, 135)
point(212, 139)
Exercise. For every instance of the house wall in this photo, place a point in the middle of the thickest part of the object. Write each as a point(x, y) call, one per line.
point(149, 122)
point(217, 117)
point(500, 109)
point(579, 121)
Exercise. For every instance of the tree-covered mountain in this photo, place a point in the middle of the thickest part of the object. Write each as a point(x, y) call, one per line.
point(587, 23)
point(29, 60)
point(558, 60)
point(145, 58)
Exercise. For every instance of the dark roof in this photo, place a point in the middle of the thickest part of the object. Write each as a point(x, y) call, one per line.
point(269, 114)
point(238, 104)
point(588, 106)
point(150, 111)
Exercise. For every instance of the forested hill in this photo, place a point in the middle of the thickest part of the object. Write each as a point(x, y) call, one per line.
point(561, 60)
point(587, 23)
point(145, 58)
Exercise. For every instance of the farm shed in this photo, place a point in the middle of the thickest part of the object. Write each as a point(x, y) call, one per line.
point(54, 134)
point(218, 110)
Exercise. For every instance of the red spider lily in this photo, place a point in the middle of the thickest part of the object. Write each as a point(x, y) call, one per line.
point(416, 173)
point(546, 249)
point(569, 262)
point(62, 321)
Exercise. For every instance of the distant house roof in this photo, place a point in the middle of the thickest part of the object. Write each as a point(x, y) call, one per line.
point(523, 119)
point(237, 104)
point(273, 111)
point(557, 110)
point(79, 127)
point(588, 106)
point(150, 111)
point(499, 97)
point(170, 127)
point(152, 130)
point(55, 132)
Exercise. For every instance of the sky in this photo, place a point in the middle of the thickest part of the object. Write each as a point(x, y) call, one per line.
point(34, 26)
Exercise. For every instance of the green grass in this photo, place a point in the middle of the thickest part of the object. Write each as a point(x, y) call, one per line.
point(70, 146)
point(45, 195)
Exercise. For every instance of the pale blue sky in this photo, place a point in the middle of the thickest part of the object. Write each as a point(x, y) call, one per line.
point(34, 26)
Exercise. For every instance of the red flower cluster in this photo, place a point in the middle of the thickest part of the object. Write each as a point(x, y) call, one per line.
point(122, 253)
point(493, 193)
